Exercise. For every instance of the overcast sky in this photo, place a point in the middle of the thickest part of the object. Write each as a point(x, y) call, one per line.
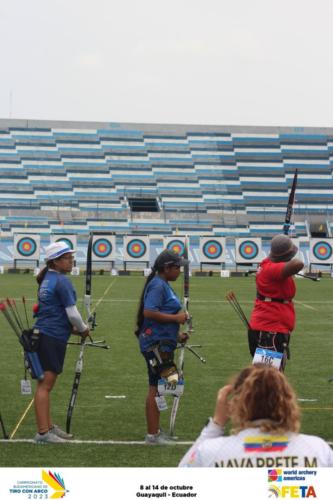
point(236, 62)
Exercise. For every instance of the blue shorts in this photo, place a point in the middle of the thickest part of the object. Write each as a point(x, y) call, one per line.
point(153, 376)
point(51, 353)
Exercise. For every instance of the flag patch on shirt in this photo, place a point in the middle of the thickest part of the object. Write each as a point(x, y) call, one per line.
point(265, 443)
point(192, 459)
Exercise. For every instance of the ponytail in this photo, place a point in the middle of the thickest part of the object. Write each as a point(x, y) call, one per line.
point(41, 275)
point(139, 316)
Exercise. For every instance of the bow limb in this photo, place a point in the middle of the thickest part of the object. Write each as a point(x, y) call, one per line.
point(186, 299)
point(188, 331)
point(91, 316)
point(290, 206)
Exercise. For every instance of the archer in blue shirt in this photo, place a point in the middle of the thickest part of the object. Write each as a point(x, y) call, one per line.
point(158, 319)
point(57, 317)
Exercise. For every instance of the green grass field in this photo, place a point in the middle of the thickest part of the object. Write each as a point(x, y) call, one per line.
point(121, 371)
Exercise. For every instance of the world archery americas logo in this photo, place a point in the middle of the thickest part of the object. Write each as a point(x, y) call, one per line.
point(56, 482)
point(274, 475)
point(286, 491)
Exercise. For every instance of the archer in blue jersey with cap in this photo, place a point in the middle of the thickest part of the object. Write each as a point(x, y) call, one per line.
point(158, 320)
point(57, 318)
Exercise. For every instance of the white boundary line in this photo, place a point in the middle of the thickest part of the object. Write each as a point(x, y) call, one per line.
point(107, 442)
point(88, 441)
point(198, 301)
point(305, 305)
point(203, 301)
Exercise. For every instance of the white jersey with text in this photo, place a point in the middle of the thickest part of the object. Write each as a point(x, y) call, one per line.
point(253, 448)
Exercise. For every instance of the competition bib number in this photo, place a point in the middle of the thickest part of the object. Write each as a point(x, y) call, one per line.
point(165, 388)
point(267, 357)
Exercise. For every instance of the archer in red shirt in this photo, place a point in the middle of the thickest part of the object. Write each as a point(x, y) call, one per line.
point(273, 317)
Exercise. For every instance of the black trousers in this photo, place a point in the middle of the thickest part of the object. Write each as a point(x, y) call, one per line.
point(274, 341)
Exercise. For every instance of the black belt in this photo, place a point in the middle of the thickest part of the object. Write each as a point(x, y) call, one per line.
point(272, 299)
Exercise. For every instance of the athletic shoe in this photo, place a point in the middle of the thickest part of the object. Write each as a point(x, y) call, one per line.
point(48, 437)
point(166, 435)
point(60, 433)
point(157, 439)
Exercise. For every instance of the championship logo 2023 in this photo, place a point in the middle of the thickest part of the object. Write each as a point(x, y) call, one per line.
point(50, 486)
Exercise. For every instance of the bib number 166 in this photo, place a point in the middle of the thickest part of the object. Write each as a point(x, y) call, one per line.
point(267, 357)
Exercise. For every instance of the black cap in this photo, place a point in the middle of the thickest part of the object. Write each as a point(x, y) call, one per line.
point(169, 258)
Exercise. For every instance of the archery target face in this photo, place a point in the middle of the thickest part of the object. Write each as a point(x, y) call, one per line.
point(212, 249)
point(321, 251)
point(136, 249)
point(248, 250)
point(69, 239)
point(176, 245)
point(26, 247)
point(104, 248)
point(68, 242)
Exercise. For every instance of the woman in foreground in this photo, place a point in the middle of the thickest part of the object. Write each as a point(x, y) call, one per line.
point(265, 419)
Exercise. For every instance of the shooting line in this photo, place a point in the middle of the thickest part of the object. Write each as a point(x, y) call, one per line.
point(307, 306)
point(205, 301)
point(107, 442)
point(110, 396)
point(316, 408)
point(97, 442)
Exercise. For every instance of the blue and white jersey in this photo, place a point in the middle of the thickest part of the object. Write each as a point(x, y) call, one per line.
point(55, 294)
point(159, 297)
